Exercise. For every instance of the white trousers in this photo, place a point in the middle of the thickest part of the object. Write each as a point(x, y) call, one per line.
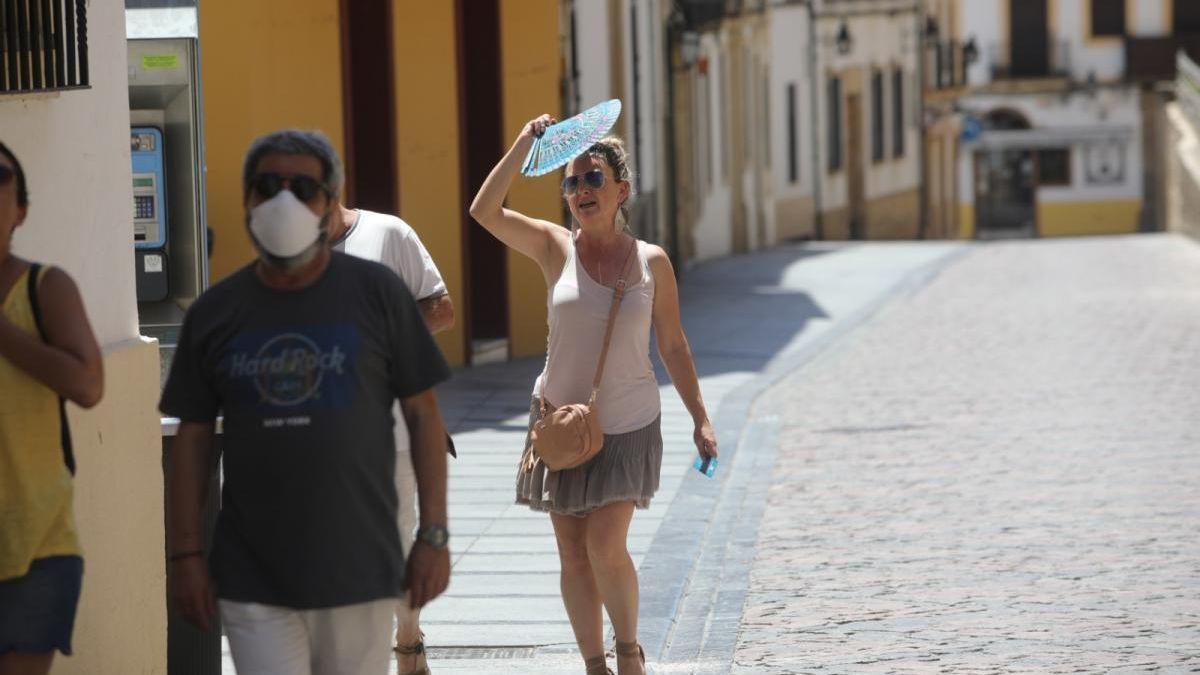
point(406, 491)
point(347, 640)
point(406, 520)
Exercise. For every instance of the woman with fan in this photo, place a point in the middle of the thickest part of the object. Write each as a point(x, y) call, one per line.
point(591, 505)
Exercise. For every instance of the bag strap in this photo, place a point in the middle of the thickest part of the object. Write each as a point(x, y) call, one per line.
point(31, 284)
point(618, 294)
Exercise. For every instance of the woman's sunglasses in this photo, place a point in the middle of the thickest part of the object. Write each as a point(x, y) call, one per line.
point(7, 174)
point(594, 179)
point(268, 185)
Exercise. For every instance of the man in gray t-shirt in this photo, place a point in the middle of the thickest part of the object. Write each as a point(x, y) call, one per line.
point(303, 353)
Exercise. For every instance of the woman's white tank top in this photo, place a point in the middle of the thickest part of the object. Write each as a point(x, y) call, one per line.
point(578, 314)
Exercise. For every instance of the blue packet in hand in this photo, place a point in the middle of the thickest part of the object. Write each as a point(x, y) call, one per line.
point(705, 465)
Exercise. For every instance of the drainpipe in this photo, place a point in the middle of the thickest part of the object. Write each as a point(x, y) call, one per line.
point(814, 115)
point(923, 207)
point(668, 113)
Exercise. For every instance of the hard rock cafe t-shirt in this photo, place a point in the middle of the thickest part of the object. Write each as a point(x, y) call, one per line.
point(305, 380)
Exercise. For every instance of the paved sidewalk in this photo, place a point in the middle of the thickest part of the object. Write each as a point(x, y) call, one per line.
point(997, 474)
point(749, 319)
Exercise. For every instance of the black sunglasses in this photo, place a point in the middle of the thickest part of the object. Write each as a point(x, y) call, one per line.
point(593, 178)
point(7, 174)
point(305, 188)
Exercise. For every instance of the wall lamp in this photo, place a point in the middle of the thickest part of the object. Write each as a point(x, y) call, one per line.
point(970, 51)
point(844, 41)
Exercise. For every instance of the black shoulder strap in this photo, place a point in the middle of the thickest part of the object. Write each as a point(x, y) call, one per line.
point(31, 283)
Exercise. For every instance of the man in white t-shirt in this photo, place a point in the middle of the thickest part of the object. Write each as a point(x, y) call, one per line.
point(391, 241)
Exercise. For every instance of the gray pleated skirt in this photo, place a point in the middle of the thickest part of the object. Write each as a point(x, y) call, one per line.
point(625, 470)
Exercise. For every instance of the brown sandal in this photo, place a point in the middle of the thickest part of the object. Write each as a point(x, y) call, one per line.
point(597, 665)
point(631, 649)
point(415, 649)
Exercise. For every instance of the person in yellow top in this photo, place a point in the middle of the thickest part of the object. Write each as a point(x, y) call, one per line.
point(47, 354)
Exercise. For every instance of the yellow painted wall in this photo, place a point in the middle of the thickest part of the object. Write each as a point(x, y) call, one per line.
point(531, 67)
point(427, 152)
point(1060, 219)
point(121, 625)
point(966, 221)
point(894, 216)
point(265, 65)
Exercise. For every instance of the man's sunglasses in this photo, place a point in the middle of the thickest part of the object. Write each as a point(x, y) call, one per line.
point(594, 179)
point(305, 188)
point(7, 173)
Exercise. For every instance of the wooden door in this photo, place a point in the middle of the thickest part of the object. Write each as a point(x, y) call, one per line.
point(855, 180)
point(368, 98)
point(485, 259)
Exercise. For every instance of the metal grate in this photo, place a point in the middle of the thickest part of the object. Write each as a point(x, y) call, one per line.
point(475, 653)
point(43, 45)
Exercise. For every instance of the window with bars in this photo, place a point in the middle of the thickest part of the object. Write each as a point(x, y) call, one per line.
point(43, 45)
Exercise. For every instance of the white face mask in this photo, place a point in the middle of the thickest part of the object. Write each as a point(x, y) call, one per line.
point(284, 226)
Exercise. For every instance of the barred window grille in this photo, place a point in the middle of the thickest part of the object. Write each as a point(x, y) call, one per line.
point(43, 45)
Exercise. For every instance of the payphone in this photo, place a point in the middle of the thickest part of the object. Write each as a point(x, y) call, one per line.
point(167, 156)
point(149, 213)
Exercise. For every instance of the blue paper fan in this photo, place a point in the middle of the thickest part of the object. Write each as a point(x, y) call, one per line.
point(562, 142)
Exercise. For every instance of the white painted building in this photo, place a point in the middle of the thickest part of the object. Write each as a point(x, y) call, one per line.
point(794, 104)
point(614, 49)
point(1059, 130)
point(867, 54)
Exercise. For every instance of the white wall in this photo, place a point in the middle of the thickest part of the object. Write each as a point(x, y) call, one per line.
point(74, 147)
point(1104, 56)
point(1150, 18)
point(649, 55)
point(713, 232)
point(789, 65)
point(984, 21)
point(592, 48)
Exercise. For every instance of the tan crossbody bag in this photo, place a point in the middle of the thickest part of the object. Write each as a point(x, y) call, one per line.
point(569, 435)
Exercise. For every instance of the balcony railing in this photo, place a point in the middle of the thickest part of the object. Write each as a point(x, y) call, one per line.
point(1187, 87)
point(1152, 59)
point(1029, 62)
point(945, 65)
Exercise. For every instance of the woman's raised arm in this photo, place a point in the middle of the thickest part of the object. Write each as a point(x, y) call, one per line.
point(538, 239)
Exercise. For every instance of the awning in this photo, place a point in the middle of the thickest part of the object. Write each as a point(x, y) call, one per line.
point(1052, 137)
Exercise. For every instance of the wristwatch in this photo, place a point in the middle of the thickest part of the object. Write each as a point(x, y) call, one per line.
point(436, 536)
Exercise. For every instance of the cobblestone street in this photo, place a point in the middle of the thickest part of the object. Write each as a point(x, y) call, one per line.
point(999, 472)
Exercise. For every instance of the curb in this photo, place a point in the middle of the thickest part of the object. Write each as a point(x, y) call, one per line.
point(694, 578)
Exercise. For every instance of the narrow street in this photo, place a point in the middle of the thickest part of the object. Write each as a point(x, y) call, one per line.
point(935, 457)
point(998, 473)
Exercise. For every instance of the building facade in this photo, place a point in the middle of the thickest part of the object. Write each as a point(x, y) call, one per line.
point(795, 120)
point(1065, 118)
point(615, 49)
point(421, 99)
point(868, 55)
